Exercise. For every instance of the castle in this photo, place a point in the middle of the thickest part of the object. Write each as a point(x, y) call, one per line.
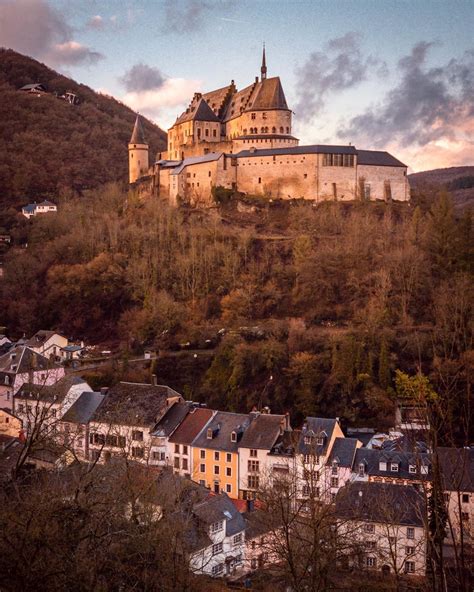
point(242, 141)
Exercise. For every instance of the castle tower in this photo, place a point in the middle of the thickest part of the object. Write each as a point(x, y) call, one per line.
point(137, 152)
point(263, 69)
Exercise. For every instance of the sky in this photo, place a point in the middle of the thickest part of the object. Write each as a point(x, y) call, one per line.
point(392, 75)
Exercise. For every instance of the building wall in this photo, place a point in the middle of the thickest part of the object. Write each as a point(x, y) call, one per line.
point(137, 161)
point(203, 561)
point(44, 377)
point(263, 143)
point(377, 176)
point(279, 119)
point(123, 431)
point(10, 425)
point(336, 183)
point(269, 466)
point(208, 477)
point(460, 506)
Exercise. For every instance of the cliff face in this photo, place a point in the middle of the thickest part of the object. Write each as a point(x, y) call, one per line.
point(49, 146)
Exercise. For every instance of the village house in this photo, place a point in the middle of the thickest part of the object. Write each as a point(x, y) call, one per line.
point(216, 452)
point(124, 423)
point(34, 209)
point(387, 522)
point(10, 424)
point(74, 424)
point(391, 466)
point(338, 469)
point(22, 365)
point(48, 343)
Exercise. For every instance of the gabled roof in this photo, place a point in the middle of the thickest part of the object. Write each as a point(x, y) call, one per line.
point(193, 423)
point(343, 451)
point(198, 111)
point(216, 99)
point(378, 158)
point(371, 458)
point(238, 102)
point(47, 203)
point(25, 360)
point(138, 136)
point(41, 336)
point(171, 419)
point(222, 426)
point(29, 209)
point(82, 410)
point(196, 160)
point(381, 502)
point(217, 508)
point(35, 85)
point(135, 404)
point(55, 392)
point(263, 432)
point(316, 427)
point(268, 95)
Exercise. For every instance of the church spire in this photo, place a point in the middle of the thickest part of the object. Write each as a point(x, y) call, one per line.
point(264, 65)
point(138, 137)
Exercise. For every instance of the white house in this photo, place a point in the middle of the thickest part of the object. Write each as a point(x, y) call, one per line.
point(45, 207)
point(48, 343)
point(338, 469)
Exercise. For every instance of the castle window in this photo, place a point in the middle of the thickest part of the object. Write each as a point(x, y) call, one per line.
point(282, 130)
point(305, 176)
point(245, 132)
point(262, 130)
point(199, 134)
point(264, 115)
point(260, 179)
point(209, 174)
point(214, 133)
point(274, 130)
point(287, 130)
point(206, 133)
point(253, 116)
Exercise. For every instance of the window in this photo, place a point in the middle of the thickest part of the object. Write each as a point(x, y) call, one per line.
point(412, 469)
point(369, 528)
point(216, 455)
point(217, 569)
point(216, 526)
point(21, 408)
point(260, 179)
point(370, 545)
point(465, 498)
point(216, 469)
point(228, 457)
point(409, 567)
point(465, 516)
point(157, 455)
point(424, 469)
point(176, 448)
point(334, 190)
point(361, 469)
point(387, 191)
point(307, 440)
point(185, 450)
point(410, 532)
point(394, 467)
point(237, 539)
point(367, 190)
point(382, 466)
point(253, 466)
point(264, 115)
point(233, 437)
point(334, 482)
point(202, 468)
point(409, 550)
point(228, 488)
point(253, 116)
point(184, 464)
point(253, 481)
point(137, 435)
point(209, 434)
point(202, 454)
point(370, 562)
point(253, 453)
point(206, 132)
point(274, 130)
point(209, 174)
point(176, 462)
point(202, 482)
point(137, 452)
point(228, 472)
point(305, 490)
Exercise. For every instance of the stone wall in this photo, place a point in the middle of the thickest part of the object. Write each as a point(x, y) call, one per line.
point(381, 177)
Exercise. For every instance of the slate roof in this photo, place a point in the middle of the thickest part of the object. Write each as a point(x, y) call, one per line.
point(29, 209)
point(315, 427)
point(138, 136)
point(198, 112)
point(268, 95)
point(41, 337)
point(297, 150)
point(54, 392)
point(171, 419)
point(194, 422)
point(218, 97)
point(25, 360)
point(238, 102)
point(263, 431)
point(82, 410)
point(35, 85)
point(457, 468)
point(371, 459)
point(220, 507)
point(378, 158)
point(343, 451)
point(196, 160)
point(47, 203)
point(223, 424)
point(135, 404)
point(276, 136)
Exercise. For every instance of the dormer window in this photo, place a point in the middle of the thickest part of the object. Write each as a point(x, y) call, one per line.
point(361, 469)
point(233, 436)
point(394, 467)
point(424, 469)
point(382, 465)
point(307, 439)
point(412, 469)
point(320, 440)
point(209, 433)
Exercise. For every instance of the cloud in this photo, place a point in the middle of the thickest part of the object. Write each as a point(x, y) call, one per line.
point(37, 29)
point(339, 67)
point(96, 22)
point(142, 78)
point(428, 105)
point(185, 16)
point(174, 92)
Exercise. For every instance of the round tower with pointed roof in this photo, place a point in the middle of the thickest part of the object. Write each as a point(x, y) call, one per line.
point(137, 152)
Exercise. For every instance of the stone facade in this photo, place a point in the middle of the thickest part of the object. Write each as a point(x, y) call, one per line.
point(242, 141)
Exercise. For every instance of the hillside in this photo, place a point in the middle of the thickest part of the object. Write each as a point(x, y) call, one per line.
point(50, 147)
point(459, 181)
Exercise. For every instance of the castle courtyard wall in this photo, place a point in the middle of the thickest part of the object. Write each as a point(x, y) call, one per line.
point(337, 183)
point(377, 176)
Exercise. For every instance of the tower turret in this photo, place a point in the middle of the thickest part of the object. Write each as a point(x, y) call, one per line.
point(263, 69)
point(137, 152)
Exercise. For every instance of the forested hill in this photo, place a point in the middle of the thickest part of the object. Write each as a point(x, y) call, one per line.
point(50, 147)
point(459, 181)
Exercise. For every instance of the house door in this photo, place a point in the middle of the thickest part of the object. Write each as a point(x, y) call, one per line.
point(216, 486)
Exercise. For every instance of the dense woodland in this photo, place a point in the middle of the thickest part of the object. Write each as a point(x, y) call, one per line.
point(49, 147)
point(343, 295)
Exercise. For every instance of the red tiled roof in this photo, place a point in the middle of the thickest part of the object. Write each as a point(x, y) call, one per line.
point(191, 426)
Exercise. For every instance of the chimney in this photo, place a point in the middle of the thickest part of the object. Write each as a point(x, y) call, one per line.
point(287, 422)
point(154, 380)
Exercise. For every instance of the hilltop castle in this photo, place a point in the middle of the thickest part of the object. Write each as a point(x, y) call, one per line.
point(242, 140)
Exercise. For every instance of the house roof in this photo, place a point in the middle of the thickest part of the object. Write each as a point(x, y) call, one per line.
point(198, 111)
point(220, 507)
point(222, 426)
point(47, 203)
point(238, 102)
point(55, 392)
point(138, 136)
point(380, 502)
point(316, 427)
point(29, 209)
point(457, 468)
point(343, 451)
point(42, 336)
point(371, 459)
point(263, 431)
point(268, 95)
point(196, 160)
point(171, 419)
point(378, 158)
point(35, 85)
point(25, 360)
point(297, 150)
point(218, 98)
point(130, 403)
point(82, 410)
point(193, 423)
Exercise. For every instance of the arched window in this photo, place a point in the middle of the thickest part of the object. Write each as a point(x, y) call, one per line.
point(266, 130)
point(274, 130)
point(287, 130)
point(245, 132)
point(282, 130)
point(262, 130)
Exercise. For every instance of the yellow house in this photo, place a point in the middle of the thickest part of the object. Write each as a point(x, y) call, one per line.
point(215, 453)
point(10, 425)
